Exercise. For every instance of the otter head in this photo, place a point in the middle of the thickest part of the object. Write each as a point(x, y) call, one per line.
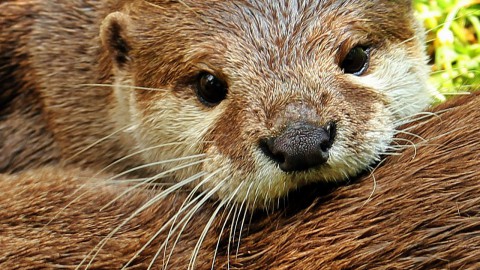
point(246, 100)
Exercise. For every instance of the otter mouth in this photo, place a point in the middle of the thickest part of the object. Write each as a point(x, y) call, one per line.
point(301, 146)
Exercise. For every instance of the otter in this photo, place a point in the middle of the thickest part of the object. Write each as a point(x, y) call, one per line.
point(242, 101)
point(419, 210)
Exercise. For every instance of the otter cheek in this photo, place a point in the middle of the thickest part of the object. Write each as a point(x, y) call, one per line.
point(219, 173)
point(257, 187)
point(167, 137)
point(396, 77)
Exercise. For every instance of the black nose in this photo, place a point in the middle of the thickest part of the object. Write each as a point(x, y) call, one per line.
point(300, 147)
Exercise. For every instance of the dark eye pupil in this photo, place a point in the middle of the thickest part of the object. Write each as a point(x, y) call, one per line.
point(210, 89)
point(356, 61)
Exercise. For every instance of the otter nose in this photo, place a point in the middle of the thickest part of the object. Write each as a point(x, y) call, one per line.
point(300, 147)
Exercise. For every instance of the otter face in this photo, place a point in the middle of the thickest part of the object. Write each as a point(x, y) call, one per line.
point(248, 100)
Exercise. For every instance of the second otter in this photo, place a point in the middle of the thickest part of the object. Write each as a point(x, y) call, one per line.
point(242, 100)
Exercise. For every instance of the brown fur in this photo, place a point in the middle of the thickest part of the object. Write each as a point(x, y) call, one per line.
point(56, 133)
point(423, 214)
point(280, 59)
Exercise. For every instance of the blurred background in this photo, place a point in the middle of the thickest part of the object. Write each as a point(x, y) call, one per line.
point(453, 32)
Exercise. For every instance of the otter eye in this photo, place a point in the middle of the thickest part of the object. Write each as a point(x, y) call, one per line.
point(210, 89)
point(356, 62)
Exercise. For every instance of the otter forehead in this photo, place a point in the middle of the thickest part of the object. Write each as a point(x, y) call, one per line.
point(282, 36)
point(279, 21)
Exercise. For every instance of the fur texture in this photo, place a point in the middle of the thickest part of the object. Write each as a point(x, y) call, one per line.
point(421, 212)
point(85, 83)
point(85, 77)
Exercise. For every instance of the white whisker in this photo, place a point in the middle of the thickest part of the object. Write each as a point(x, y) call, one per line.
point(419, 117)
point(97, 142)
point(155, 177)
point(152, 164)
point(193, 259)
point(71, 202)
point(149, 203)
point(244, 216)
point(231, 197)
point(187, 218)
point(372, 174)
point(409, 134)
point(233, 227)
point(205, 195)
point(189, 215)
point(137, 180)
point(124, 86)
point(138, 153)
point(412, 144)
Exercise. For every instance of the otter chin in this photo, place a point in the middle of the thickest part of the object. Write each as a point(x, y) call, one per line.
point(243, 101)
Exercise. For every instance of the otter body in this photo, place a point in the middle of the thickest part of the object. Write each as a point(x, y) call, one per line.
point(426, 217)
point(240, 102)
point(49, 51)
point(243, 100)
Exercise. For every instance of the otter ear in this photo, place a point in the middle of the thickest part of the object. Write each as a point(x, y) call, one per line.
point(114, 37)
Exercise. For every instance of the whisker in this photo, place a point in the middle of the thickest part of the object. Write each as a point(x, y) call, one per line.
point(230, 199)
point(233, 227)
point(192, 262)
point(443, 135)
point(97, 142)
point(94, 184)
point(253, 205)
point(417, 125)
point(137, 180)
point(372, 174)
point(391, 153)
point(244, 216)
point(189, 215)
point(155, 177)
point(423, 142)
point(148, 204)
point(418, 117)
point(412, 144)
point(71, 202)
point(400, 107)
point(138, 153)
point(187, 218)
point(155, 236)
point(123, 86)
point(152, 164)
point(206, 195)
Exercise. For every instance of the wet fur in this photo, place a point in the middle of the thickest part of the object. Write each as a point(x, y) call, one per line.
point(421, 212)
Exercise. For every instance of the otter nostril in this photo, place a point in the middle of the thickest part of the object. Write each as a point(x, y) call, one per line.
point(300, 147)
point(266, 145)
point(325, 147)
point(331, 130)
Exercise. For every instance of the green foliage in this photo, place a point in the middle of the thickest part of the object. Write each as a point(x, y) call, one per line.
point(453, 32)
